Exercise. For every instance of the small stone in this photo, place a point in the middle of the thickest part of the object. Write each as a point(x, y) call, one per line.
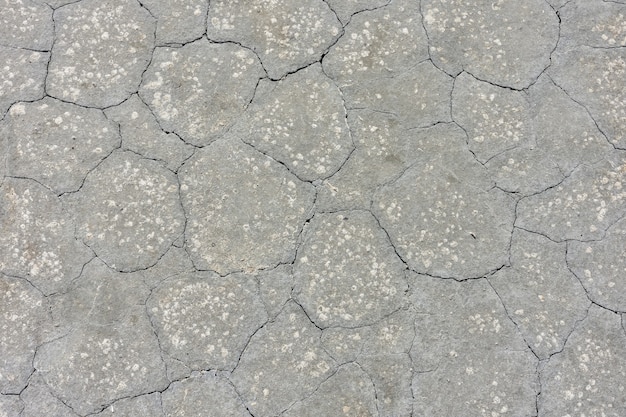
point(378, 43)
point(128, 211)
point(26, 24)
point(285, 115)
point(601, 266)
point(96, 365)
point(198, 91)
point(582, 207)
point(22, 77)
point(205, 320)
point(283, 363)
point(101, 49)
point(197, 395)
point(142, 134)
point(178, 21)
point(587, 378)
point(504, 43)
point(495, 119)
point(238, 200)
point(349, 392)
point(37, 240)
point(58, 143)
point(542, 296)
point(23, 328)
point(286, 34)
point(468, 358)
point(347, 273)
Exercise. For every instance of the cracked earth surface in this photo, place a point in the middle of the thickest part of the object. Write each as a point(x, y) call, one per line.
point(313, 208)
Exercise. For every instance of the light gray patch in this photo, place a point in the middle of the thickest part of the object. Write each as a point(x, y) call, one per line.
point(301, 122)
point(238, 200)
point(349, 392)
point(441, 216)
point(25, 325)
point(57, 143)
point(178, 21)
point(468, 357)
point(26, 24)
point(596, 23)
point(37, 240)
point(505, 43)
point(601, 266)
point(285, 34)
point(143, 405)
point(541, 295)
point(346, 272)
point(96, 365)
point(10, 405)
point(419, 96)
point(587, 378)
point(378, 43)
point(495, 119)
point(22, 76)
point(201, 392)
point(594, 77)
point(391, 375)
point(101, 49)
point(198, 91)
point(128, 211)
point(283, 363)
point(204, 320)
point(100, 296)
point(40, 402)
point(275, 288)
point(142, 134)
point(582, 207)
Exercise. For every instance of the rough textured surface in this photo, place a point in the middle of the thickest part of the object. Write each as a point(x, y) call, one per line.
point(22, 76)
point(466, 234)
point(218, 80)
point(602, 91)
point(204, 320)
point(582, 207)
point(57, 143)
point(24, 326)
point(451, 377)
point(87, 34)
point(286, 34)
point(37, 240)
point(381, 42)
point(285, 114)
point(347, 273)
point(504, 42)
point(601, 267)
point(587, 378)
point(283, 363)
point(542, 296)
point(228, 187)
point(386, 208)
